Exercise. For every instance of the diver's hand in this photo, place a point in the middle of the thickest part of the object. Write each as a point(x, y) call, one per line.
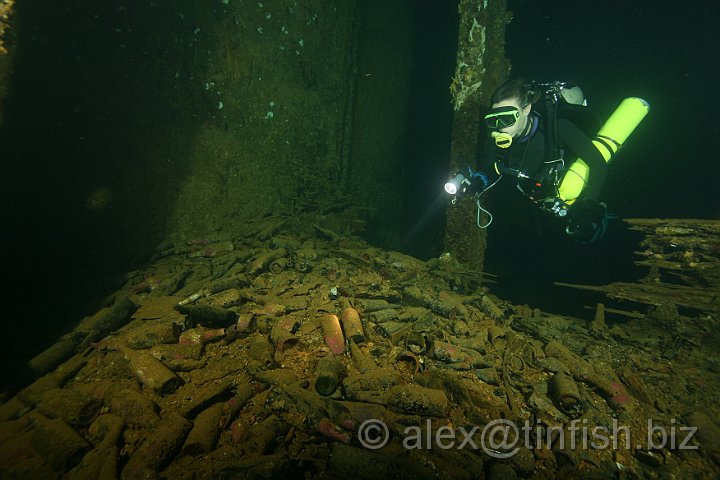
point(586, 221)
point(478, 181)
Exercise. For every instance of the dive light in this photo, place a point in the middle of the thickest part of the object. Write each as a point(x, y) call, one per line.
point(457, 184)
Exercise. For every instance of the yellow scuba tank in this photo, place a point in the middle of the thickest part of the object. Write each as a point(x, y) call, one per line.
point(608, 140)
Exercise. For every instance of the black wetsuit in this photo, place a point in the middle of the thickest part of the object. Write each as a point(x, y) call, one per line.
point(529, 161)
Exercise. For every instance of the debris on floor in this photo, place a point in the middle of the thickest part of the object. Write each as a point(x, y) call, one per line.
point(289, 348)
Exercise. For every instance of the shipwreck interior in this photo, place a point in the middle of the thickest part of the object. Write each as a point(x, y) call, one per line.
point(123, 127)
point(222, 178)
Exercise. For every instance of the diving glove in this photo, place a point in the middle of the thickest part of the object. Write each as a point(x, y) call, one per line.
point(478, 181)
point(587, 221)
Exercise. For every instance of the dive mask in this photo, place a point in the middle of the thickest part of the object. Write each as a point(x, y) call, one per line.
point(502, 117)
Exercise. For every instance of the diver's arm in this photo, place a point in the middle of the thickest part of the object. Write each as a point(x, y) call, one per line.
point(579, 143)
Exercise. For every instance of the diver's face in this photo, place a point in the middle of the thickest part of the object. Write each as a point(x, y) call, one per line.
point(517, 128)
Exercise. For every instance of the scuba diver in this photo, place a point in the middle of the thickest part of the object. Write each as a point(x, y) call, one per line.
point(555, 151)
